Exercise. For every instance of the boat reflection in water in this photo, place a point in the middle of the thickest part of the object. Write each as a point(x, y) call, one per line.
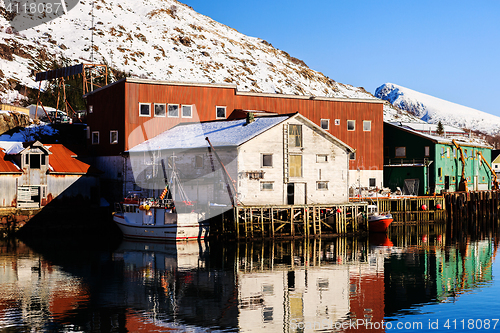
point(270, 286)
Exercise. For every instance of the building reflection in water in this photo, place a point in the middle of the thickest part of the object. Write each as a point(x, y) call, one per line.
point(287, 286)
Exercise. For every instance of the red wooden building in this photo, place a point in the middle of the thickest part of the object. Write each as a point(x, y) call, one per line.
point(130, 111)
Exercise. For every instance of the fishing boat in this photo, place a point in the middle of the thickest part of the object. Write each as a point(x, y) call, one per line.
point(378, 222)
point(159, 219)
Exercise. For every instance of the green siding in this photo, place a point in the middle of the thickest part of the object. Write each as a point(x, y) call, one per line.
point(444, 164)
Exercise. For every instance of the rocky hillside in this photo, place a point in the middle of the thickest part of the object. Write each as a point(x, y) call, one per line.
point(161, 40)
point(11, 119)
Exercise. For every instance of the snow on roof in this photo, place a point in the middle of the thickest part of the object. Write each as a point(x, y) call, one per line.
point(221, 134)
point(430, 127)
point(460, 140)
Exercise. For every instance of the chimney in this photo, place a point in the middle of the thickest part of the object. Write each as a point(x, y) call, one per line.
point(250, 118)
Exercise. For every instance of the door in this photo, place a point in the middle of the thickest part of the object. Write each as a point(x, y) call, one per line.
point(290, 194)
point(300, 194)
point(446, 183)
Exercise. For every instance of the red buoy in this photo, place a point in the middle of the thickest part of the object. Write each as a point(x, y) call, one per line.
point(424, 207)
point(438, 206)
point(339, 210)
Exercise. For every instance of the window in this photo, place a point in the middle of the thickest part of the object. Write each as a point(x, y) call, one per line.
point(159, 110)
point(173, 110)
point(321, 158)
point(400, 152)
point(91, 109)
point(220, 112)
point(88, 132)
point(352, 156)
point(295, 166)
point(95, 137)
point(448, 152)
point(427, 151)
point(295, 135)
point(42, 162)
point(113, 137)
point(34, 161)
point(187, 111)
point(465, 153)
point(351, 125)
point(325, 124)
point(367, 125)
point(442, 151)
point(454, 152)
point(266, 186)
point(440, 172)
point(453, 179)
point(198, 161)
point(267, 160)
point(337, 122)
point(322, 186)
point(372, 182)
point(144, 110)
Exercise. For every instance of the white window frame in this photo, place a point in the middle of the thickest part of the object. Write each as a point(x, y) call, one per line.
point(337, 122)
point(168, 111)
point(191, 111)
point(140, 109)
point(262, 160)
point(216, 112)
point(354, 125)
point(266, 183)
point(92, 137)
point(319, 158)
point(164, 110)
point(111, 137)
point(327, 124)
point(365, 122)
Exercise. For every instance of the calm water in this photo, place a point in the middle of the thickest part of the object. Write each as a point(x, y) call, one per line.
point(423, 282)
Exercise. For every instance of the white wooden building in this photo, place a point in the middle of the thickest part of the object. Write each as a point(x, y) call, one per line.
point(270, 160)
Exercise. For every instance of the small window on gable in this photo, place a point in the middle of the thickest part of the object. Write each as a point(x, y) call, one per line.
point(160, 110)
point(173, 110)
point(295, 135)
point(400, 152)
point(220, 112)
point(351, 125)
point(267, 160)
point(113, 137)
point(144, 110)
point(198, 162)
point(352, 156)
point(325, 124)
point(95, 137)
point(321, 158)
point(367, 125)
point(187, 111)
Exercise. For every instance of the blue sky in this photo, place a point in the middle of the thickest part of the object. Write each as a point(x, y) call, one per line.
point(447, 49)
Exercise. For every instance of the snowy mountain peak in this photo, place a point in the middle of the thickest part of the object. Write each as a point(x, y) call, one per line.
point(433, 110)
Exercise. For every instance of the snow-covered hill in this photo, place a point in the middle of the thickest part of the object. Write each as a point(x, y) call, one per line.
point(160, 40)
point(434, 110)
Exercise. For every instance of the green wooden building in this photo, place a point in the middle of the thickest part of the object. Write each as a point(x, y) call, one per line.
point(419, 163)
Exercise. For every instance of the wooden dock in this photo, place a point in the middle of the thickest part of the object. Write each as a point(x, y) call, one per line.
point(298, 221)
point(410, 209)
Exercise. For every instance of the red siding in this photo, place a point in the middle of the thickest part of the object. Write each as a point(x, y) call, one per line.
point(118, 106)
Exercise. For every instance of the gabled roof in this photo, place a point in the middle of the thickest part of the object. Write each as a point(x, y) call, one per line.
point(428, 127)
point(496, 160)
point(7, 165)
point(460, 140)
point(221, 133)
point(63, 161)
